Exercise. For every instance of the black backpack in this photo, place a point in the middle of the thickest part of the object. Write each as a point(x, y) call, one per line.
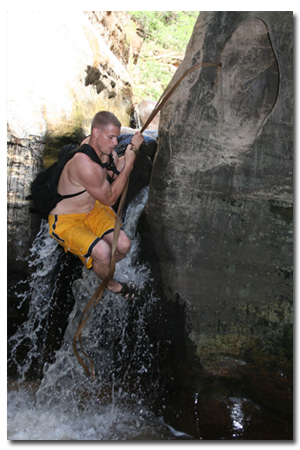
point(44, 187)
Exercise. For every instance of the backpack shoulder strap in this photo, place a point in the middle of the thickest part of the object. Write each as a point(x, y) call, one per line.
point(88, 150)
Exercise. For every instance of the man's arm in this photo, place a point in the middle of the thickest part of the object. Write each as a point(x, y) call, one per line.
point(136, 141)
point(92, 177)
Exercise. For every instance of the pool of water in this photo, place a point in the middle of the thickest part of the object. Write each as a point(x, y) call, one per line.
point(248, 406)
point(243, 401)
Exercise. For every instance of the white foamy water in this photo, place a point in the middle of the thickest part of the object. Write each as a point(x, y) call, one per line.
point(88, 421)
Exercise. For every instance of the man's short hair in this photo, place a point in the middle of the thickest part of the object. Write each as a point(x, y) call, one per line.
point(103, 118)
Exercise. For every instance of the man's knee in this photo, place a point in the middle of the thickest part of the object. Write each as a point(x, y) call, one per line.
point(124, 244)
point(101, 253)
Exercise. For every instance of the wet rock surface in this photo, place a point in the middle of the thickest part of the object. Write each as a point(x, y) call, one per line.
point(220, 201)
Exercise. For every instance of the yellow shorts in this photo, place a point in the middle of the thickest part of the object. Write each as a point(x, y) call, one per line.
point(79, 233)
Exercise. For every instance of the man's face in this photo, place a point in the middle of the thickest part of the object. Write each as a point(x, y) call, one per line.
point(106, 138)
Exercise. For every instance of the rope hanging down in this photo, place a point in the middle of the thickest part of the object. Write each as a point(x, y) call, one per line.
point(100, 290)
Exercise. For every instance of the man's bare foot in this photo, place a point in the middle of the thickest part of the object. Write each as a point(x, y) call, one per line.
point(124, 289)
point(114, 286)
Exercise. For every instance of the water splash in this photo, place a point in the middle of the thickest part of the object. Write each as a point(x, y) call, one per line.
point(98, 422)
point(67, 404)
point(42, 284)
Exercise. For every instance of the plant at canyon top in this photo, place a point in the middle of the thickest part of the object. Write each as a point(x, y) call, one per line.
point(165, 36)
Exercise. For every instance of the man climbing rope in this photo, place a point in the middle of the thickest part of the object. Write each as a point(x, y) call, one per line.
point(84, 222)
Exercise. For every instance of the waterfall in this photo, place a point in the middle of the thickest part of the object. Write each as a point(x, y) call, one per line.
point(66, 404)
point(42, 283)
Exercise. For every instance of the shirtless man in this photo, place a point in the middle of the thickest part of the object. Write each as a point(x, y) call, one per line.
point(84, 224)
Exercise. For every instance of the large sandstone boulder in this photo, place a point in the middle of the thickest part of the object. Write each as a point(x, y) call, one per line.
point(221, 193)
point(60, 71)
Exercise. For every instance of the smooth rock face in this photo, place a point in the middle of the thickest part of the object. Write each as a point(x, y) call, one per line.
point(220, 201)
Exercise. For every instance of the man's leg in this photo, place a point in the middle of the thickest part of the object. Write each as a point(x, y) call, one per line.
point(101, 255)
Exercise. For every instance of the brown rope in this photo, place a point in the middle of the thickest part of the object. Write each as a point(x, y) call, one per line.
point(100, 290)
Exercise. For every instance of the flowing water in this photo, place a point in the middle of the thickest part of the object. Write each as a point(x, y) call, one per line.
point(134, 396)
point(66, 404)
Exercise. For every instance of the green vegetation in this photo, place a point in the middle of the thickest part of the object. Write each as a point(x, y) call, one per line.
point(168, 29)
point(165, 37)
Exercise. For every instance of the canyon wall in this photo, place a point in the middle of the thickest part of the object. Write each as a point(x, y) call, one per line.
point(221, 195)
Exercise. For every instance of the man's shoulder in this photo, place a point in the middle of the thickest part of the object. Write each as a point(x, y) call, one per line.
point(84, 158)
point(81, 165)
